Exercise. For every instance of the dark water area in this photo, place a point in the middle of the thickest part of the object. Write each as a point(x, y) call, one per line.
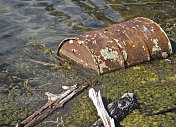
point(24, 22)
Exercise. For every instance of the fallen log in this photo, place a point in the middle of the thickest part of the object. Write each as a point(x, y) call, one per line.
point(119, 109)
point(54, 102)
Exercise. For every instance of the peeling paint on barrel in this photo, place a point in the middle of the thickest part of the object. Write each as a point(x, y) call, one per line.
point(109, 54)
point(118, 46)
point(155, 48)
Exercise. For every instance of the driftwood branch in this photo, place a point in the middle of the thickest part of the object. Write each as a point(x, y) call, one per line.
point(119, 109)
point(54, 102)
point(173, 109)
point(44, 63)
point(97, 100)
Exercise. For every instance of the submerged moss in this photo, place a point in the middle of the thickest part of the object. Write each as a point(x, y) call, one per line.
point(42, 46)
point(153, 83)
point(10, 111)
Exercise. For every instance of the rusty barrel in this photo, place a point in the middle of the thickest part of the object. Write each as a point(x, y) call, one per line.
point(118, 46)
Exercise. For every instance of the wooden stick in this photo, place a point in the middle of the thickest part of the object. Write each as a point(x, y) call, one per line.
point(44, 63)
point(52, 105)
point(61, 59)
point(97, 100)
point(165, 111)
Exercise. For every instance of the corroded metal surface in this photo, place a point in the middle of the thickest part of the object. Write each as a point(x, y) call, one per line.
point(155, 38)
point(133, 48)
point(118, 46)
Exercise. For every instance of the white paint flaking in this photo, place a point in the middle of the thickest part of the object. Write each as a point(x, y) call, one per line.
point(155, 47)
point(143, 47)
point(164, 54)
point(134, 28)
point(103, 66)
point(94, 41)
point(169, 44)
point(80, 42)
point(124, 43)
point(71, 41)
point(74, 50)
point(119, 45)
point(98, 59)
point(152, 29)
point(170, 47)
point(145, 35)
point(106, 54)
point(145, 29)
point(116, 40)
point(94, 60)
point(114, 56)
point(124, 54)
point(139, 20)
point(95, 35)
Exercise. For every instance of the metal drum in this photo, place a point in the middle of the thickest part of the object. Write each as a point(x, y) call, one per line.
point(118, 46)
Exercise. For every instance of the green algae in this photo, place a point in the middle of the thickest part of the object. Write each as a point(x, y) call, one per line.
point(10, 112)
point(93, 11)
point(19, 100)
point(60, 16)
point(153, 83)
point(65, 64)
point(43, 47)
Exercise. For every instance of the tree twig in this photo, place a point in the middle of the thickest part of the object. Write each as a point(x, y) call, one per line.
point(44, 63)
point(165, 111)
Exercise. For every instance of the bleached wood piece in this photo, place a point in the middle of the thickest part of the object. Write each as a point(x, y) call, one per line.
point(97, 100)
point(65, 87)
point(51, 97)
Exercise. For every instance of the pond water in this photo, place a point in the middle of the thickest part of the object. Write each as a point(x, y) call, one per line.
point(24, 22)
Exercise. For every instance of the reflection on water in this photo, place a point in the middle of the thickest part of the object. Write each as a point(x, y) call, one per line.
point(50, 21)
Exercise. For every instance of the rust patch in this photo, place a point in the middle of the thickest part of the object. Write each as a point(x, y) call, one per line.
point(153, 35)
point(132, 46)
point(117, 46)
point(77, 51)
point(104, 51)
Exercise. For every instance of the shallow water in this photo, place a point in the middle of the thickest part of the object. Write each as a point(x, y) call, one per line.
point(23, 22)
